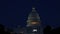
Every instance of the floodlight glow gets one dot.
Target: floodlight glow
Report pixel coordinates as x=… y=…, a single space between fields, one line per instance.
x=34 y=30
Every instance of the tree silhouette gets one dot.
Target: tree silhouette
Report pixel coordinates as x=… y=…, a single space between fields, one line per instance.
x=2 y=29
x=47 y=30
x=56 y=31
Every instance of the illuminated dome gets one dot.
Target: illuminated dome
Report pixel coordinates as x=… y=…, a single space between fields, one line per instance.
x=33 y=16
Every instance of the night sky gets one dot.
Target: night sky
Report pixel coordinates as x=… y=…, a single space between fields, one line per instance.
x=16 y=12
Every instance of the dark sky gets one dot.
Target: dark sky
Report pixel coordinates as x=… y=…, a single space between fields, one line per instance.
x=16 y=12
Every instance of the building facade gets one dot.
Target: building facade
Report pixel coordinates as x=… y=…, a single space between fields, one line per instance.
x=33 y=23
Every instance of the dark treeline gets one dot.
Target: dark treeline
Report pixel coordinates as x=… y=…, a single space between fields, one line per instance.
x=2 y=30
x=47 y=30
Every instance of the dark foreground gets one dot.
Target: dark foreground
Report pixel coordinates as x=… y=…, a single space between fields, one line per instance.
x=46 y=30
